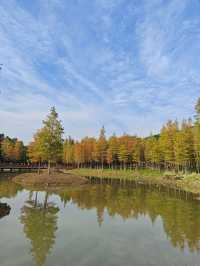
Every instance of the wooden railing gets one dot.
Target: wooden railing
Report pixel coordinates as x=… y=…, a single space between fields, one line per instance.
x=21 y=166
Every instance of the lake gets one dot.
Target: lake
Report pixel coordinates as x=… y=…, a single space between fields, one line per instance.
x=97 y=225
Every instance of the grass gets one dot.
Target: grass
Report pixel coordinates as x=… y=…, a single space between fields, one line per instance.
x=119 y=174
x=190 y=182
x=187 y=182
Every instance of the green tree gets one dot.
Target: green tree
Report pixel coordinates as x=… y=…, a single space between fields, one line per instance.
x=50 y=139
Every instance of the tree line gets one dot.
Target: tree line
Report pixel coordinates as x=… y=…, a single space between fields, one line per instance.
x=12 y=150
x=176 y=147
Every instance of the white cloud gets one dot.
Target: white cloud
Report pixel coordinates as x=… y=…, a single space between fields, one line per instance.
x=91 y=68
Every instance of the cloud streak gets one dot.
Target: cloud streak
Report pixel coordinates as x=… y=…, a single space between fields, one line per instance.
x=129 y=65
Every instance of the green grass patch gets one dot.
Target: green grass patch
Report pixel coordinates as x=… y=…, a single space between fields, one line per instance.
x=127 y=174
x=187 y=182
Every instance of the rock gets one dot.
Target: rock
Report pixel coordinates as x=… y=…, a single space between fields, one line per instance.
x=4 y=210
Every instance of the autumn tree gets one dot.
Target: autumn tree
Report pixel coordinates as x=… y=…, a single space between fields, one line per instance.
x=137 y=155
x=13 y=150
x=123 y=155
x=68 y=151
x=197 y=135
x=153 y=153
x=167 y=141
x=7 y=148
x=50 y=139
x=113 y=150
x=184 y=146
x=78 y=154
x=35 y=149
x=101 y=148
x=88 y=148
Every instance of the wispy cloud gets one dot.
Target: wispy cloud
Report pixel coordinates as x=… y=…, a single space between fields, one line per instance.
x=129 y=65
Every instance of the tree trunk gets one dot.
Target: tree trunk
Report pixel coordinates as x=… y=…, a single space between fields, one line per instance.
x=49 y=167
x=35 y=202
x=39 y=168
x=45 y=200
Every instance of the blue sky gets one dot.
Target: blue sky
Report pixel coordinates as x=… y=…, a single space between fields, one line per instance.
x=127 y=64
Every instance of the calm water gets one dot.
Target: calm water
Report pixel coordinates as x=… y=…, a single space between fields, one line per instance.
x=98 y=225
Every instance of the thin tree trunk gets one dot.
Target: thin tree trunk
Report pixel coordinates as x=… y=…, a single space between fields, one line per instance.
x=35 y=202
x=45 y=200
x=49 y=167
x=39 y=168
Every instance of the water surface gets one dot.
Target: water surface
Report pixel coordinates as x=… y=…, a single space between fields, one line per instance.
x=98 y=225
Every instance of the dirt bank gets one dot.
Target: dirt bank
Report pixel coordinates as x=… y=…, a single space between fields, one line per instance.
x=54 y=180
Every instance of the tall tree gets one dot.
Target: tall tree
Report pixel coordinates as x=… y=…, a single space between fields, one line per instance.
x=50 y=138
x=7 y=148
x=123 y=155
x=68 y=151
x=78 y=154
x=167 y=141
x=113 y=150
x=88 y=147
x=153 y=153
x=101 y=147
x=35 y=149
x=197 y=135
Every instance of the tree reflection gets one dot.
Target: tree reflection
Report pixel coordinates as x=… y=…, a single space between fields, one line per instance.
x=40 y=224
x=9 y=189
x=181 y=218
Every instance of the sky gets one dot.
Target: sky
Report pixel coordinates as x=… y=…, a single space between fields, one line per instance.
x=129 y=65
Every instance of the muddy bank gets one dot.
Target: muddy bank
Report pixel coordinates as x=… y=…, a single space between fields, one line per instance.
x=53 y=180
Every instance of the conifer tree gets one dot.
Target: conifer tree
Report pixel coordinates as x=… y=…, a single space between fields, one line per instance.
x=50 y=138
x=197 y=135
x=137 y=152
x=101 y=148
x=88 y=146
x=78 y=154
x=167 y=141
x=35 y=149
x=7 y=148
x=123 y=155
x=153 y=153
x=68 y=151
x=113 y=150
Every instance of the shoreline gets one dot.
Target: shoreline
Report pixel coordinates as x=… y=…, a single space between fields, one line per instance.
x=189 y=183
x=49 y=181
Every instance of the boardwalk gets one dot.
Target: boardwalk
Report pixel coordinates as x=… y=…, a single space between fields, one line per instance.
x=29 y=167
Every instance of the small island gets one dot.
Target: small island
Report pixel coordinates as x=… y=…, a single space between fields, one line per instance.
x=49 y=181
